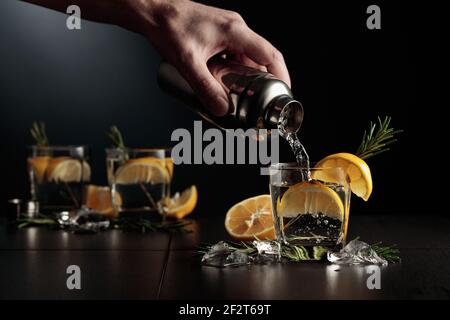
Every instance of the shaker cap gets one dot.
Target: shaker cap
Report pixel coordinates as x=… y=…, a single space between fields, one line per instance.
x=286 y=114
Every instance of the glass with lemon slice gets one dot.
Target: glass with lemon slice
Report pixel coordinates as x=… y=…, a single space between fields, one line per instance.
x=57 y=176
x=139 y=178
x=309 y=211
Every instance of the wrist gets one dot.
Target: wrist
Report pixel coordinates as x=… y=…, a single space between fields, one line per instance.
x=144 y=16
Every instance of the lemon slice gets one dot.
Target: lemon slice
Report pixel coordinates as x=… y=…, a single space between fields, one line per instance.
x=39 y=166
x=311 y=198
x=135 y=172
x=251 y=218
x=166 y=163
x=182 y=205
x=66 y=169
x=357 y=170
x=98 y=198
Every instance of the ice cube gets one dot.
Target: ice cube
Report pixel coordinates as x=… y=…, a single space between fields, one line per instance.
x=356 y=252
x=88 y=221
x=220 y=248
x=216 y=255
x=83 y=221
x=237 y=258
x=268 y=251
x=220 y=255
x=63 y=218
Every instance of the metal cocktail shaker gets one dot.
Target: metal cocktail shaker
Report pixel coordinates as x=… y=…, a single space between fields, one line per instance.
x=256 y=99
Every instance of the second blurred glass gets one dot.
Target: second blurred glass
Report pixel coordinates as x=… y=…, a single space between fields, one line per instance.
x=139 y=178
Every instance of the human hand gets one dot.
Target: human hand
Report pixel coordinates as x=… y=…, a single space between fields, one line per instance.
x=188 y=34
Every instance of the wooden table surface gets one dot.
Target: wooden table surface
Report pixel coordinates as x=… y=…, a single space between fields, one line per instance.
x=122 y=265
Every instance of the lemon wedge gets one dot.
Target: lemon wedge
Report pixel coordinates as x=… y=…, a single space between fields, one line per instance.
x=182 y=205
x=357 y=171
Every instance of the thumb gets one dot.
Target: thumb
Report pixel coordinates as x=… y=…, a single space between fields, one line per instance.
x=206 y=87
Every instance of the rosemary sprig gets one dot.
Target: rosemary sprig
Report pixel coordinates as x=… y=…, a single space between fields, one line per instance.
x=116 y=138
x=377 y=138
x=139 y=225
x=38 y=133
x=144 y=226
x=243 y=246
x=40 y=220
x=290 y=252
x=390 y=253
x=298 y=253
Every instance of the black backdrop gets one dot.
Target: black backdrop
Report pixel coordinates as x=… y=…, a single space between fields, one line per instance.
x=81 y=82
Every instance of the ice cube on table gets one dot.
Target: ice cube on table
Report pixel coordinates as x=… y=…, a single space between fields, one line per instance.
x=237 y=258
x=220 y=255
x=218 y=249
x=356 y=252
x=83 y=220
x=216 y=255
x=268 y=251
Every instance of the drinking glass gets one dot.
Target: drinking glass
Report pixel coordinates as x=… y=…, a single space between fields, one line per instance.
x=139 y=178
x=57 y=175
x=309 y=206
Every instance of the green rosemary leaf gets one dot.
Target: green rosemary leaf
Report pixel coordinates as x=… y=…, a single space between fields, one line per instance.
x=38 y=134
x=116 y=137
x=390 y=253
x=376 y=138
x=319 y=252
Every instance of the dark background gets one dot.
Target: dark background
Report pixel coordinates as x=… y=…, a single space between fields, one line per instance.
x=81 y=82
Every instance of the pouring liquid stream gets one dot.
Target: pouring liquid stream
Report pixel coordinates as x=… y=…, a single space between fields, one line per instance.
x=301 y=156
